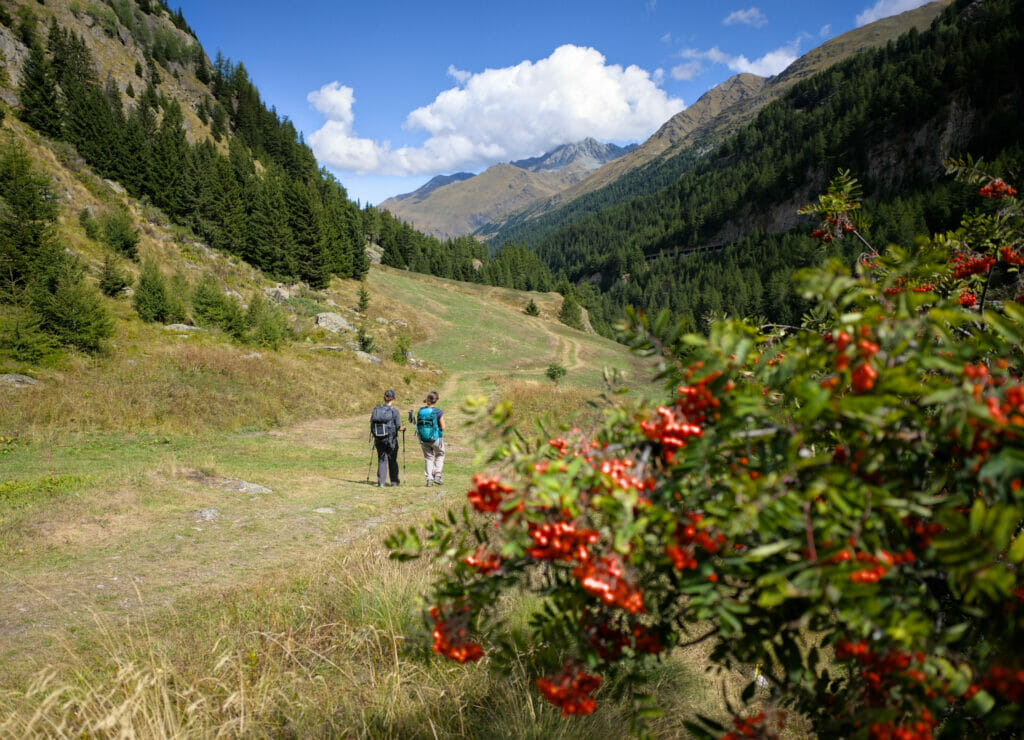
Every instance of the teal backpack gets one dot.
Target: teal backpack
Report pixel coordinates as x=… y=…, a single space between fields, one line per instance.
x=426 y=424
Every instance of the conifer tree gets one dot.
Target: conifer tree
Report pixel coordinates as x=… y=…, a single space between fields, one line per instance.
x=71 y=310
x=570 y=313
x=38 y=94
x=112 y=281
x=150 y=299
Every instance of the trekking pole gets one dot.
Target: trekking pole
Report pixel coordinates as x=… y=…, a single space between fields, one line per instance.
x=403 y=453
x=369 y=464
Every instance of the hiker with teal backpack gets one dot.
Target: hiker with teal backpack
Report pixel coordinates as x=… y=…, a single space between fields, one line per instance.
x=430 y=430
x=385 y=424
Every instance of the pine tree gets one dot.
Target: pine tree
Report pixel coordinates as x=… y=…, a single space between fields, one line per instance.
x=120 y=234
x=71 y=310
x=40 y=107
x=112 y=280
x=150 y=299
x=570 y=313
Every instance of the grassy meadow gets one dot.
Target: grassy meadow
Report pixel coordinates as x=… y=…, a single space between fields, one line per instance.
x=146 y=590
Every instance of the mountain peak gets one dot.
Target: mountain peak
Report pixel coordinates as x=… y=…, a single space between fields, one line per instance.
x=587 y=154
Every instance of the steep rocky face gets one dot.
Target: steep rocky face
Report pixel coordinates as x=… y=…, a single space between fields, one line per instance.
x=454 y=205
x=588 y=154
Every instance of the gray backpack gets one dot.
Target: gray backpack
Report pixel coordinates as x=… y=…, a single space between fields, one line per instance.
x=382 y=423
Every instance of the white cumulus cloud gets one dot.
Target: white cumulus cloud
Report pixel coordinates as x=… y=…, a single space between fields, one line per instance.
x=335 y=141
x=502 y=114
x=749 y=17
x=885 y=8
x=765 y=66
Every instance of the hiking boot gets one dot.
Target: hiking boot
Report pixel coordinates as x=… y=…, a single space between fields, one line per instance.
x=437 y=482
x=430 y=483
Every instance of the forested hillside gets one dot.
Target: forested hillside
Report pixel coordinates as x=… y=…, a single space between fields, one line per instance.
x=706 y=233
x=125 y=90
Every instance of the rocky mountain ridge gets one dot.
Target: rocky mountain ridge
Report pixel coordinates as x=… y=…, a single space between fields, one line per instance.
x=454 y=205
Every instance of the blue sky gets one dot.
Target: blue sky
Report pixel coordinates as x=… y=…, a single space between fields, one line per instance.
x=391 y=93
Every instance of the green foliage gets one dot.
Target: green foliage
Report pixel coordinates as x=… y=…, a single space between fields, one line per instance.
x=120 y=234
x=364 y=297
x=267 y=323
x=112 y=281
x=70 y=309
x=23 y=338
x=104 y=16
x=26 y=30
x=570 y=313
x=365 y=340
x=40 y=107
x=150 y=299
x=89 y=224
x=40 y=280
x=400 y=354
x=555 y=372
x=213 y=308
x=839 y=504
x=531 y=309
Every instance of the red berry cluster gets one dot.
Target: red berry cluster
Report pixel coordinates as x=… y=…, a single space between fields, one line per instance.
x=1011 y=409
x=1011 y=256
x=483 y=561
x=873 y=567
x=864 y=374
x=965 y=265
x=619 y=471
x=560 y=541
x=487 y=493
x=833 y=227
x=450 y=636
x=997 y=189
x=603 y=579
x=688 y=538
x=609 y=640
x=967 y=299
x=902 y=284
x=920 y=730
x=571 y=690
x=922 y=532
x=676 y=424
x=881 y=671
x=755 y=726
x=1006 y=682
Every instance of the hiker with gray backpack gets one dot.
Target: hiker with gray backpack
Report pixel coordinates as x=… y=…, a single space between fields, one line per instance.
x=385 y=424
x=430 y=431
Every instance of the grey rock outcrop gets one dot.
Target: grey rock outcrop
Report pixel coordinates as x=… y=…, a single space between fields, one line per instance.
x=333 y=322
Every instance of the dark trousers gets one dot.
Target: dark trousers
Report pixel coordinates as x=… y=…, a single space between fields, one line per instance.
x=387 y=461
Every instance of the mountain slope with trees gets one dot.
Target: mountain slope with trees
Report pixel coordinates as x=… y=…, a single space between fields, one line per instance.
x=719 y=233
x=720 y=112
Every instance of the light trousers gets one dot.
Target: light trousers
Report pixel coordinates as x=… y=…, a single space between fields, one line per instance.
x=433 y=459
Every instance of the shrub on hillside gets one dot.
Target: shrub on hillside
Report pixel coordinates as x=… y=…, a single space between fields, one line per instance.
x=120 y=234
x=570 y=313
x=69 y=308
x=212 y=308
x=22 y=337
x=555 y=372
x=838 y=504
x=89 y=224
x=150 y=299
x=111 y=280
x=401 y=352
x=266 y=322
x=531 y=309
